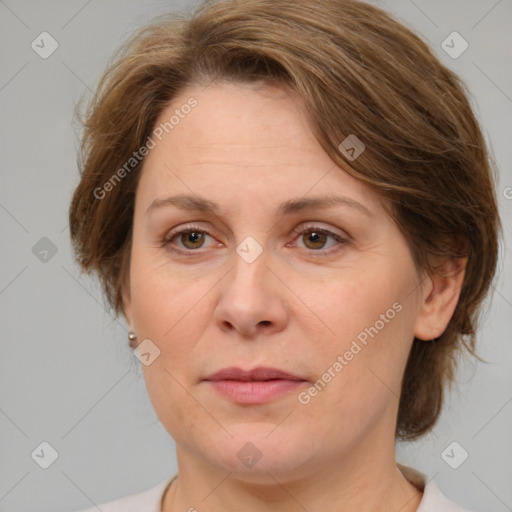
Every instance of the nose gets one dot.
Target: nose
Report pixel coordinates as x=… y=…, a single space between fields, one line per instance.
x=252 y=300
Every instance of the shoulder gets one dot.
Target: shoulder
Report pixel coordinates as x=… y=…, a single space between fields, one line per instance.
x=433 y=499
x=145 y=501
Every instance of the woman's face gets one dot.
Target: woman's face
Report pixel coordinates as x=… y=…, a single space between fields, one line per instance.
x=255 y=268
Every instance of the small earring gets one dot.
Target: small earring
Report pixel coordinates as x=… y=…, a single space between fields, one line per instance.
x=132 y=338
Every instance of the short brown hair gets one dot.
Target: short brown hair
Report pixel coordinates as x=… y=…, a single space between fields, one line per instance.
x=359 y=72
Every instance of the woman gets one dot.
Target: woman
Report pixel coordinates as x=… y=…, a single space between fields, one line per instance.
x=292 y=205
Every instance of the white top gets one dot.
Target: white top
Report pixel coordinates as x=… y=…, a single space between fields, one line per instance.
x=150 y=500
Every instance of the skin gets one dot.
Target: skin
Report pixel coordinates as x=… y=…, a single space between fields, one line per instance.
x=297 y=307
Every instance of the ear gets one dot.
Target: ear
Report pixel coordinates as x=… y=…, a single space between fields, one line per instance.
x=127 y=305
x=439 y=298
x=124 y=285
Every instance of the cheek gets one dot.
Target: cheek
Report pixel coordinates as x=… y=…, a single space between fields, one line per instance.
x=357 y=301
x=371 y=317
x=162 y=299
x=173 y=310
x=168 y=310
x=360 y=369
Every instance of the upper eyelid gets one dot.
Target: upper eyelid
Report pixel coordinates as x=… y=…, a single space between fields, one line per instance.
x=313 y=225
x=301 y=228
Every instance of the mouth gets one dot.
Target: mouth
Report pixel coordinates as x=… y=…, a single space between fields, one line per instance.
x=256 y=386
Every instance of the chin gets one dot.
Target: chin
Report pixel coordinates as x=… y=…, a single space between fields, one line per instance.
x=258 y=449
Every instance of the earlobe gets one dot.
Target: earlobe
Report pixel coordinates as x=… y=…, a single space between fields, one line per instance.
x=440 y=299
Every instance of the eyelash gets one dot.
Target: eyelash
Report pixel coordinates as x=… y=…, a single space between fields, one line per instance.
x=297 y=231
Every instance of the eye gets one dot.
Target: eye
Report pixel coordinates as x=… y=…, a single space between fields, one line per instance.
x=315 y=238
x=191 y=238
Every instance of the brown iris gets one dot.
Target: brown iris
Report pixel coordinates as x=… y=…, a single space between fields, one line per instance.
x=315 y=237
x=192 y=237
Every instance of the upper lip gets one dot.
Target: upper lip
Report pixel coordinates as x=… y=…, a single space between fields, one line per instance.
x=260 y=373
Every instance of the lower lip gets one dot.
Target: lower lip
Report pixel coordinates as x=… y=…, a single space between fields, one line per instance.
x=255 y=392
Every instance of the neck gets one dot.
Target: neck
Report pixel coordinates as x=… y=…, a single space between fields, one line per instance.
x=362 y=483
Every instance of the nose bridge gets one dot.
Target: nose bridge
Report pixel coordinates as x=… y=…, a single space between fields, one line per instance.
x=248 y=298
x=250 y=261
x=250 y=250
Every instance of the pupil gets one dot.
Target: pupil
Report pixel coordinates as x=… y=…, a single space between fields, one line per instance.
x=192 y=237
x=314 y=238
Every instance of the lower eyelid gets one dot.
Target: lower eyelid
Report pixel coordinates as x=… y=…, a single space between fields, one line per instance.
x=168 y=240
x=340 y=242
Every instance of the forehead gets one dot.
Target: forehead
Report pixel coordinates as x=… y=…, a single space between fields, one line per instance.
x=238 y=120
x=241 y=139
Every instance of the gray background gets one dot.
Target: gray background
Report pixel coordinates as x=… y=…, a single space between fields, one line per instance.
x=67 y=376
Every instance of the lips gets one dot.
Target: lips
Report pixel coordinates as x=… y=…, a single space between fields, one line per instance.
x=261 y=373
x=256 y=386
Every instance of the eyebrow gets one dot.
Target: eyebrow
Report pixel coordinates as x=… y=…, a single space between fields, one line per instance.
x=197 y=203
